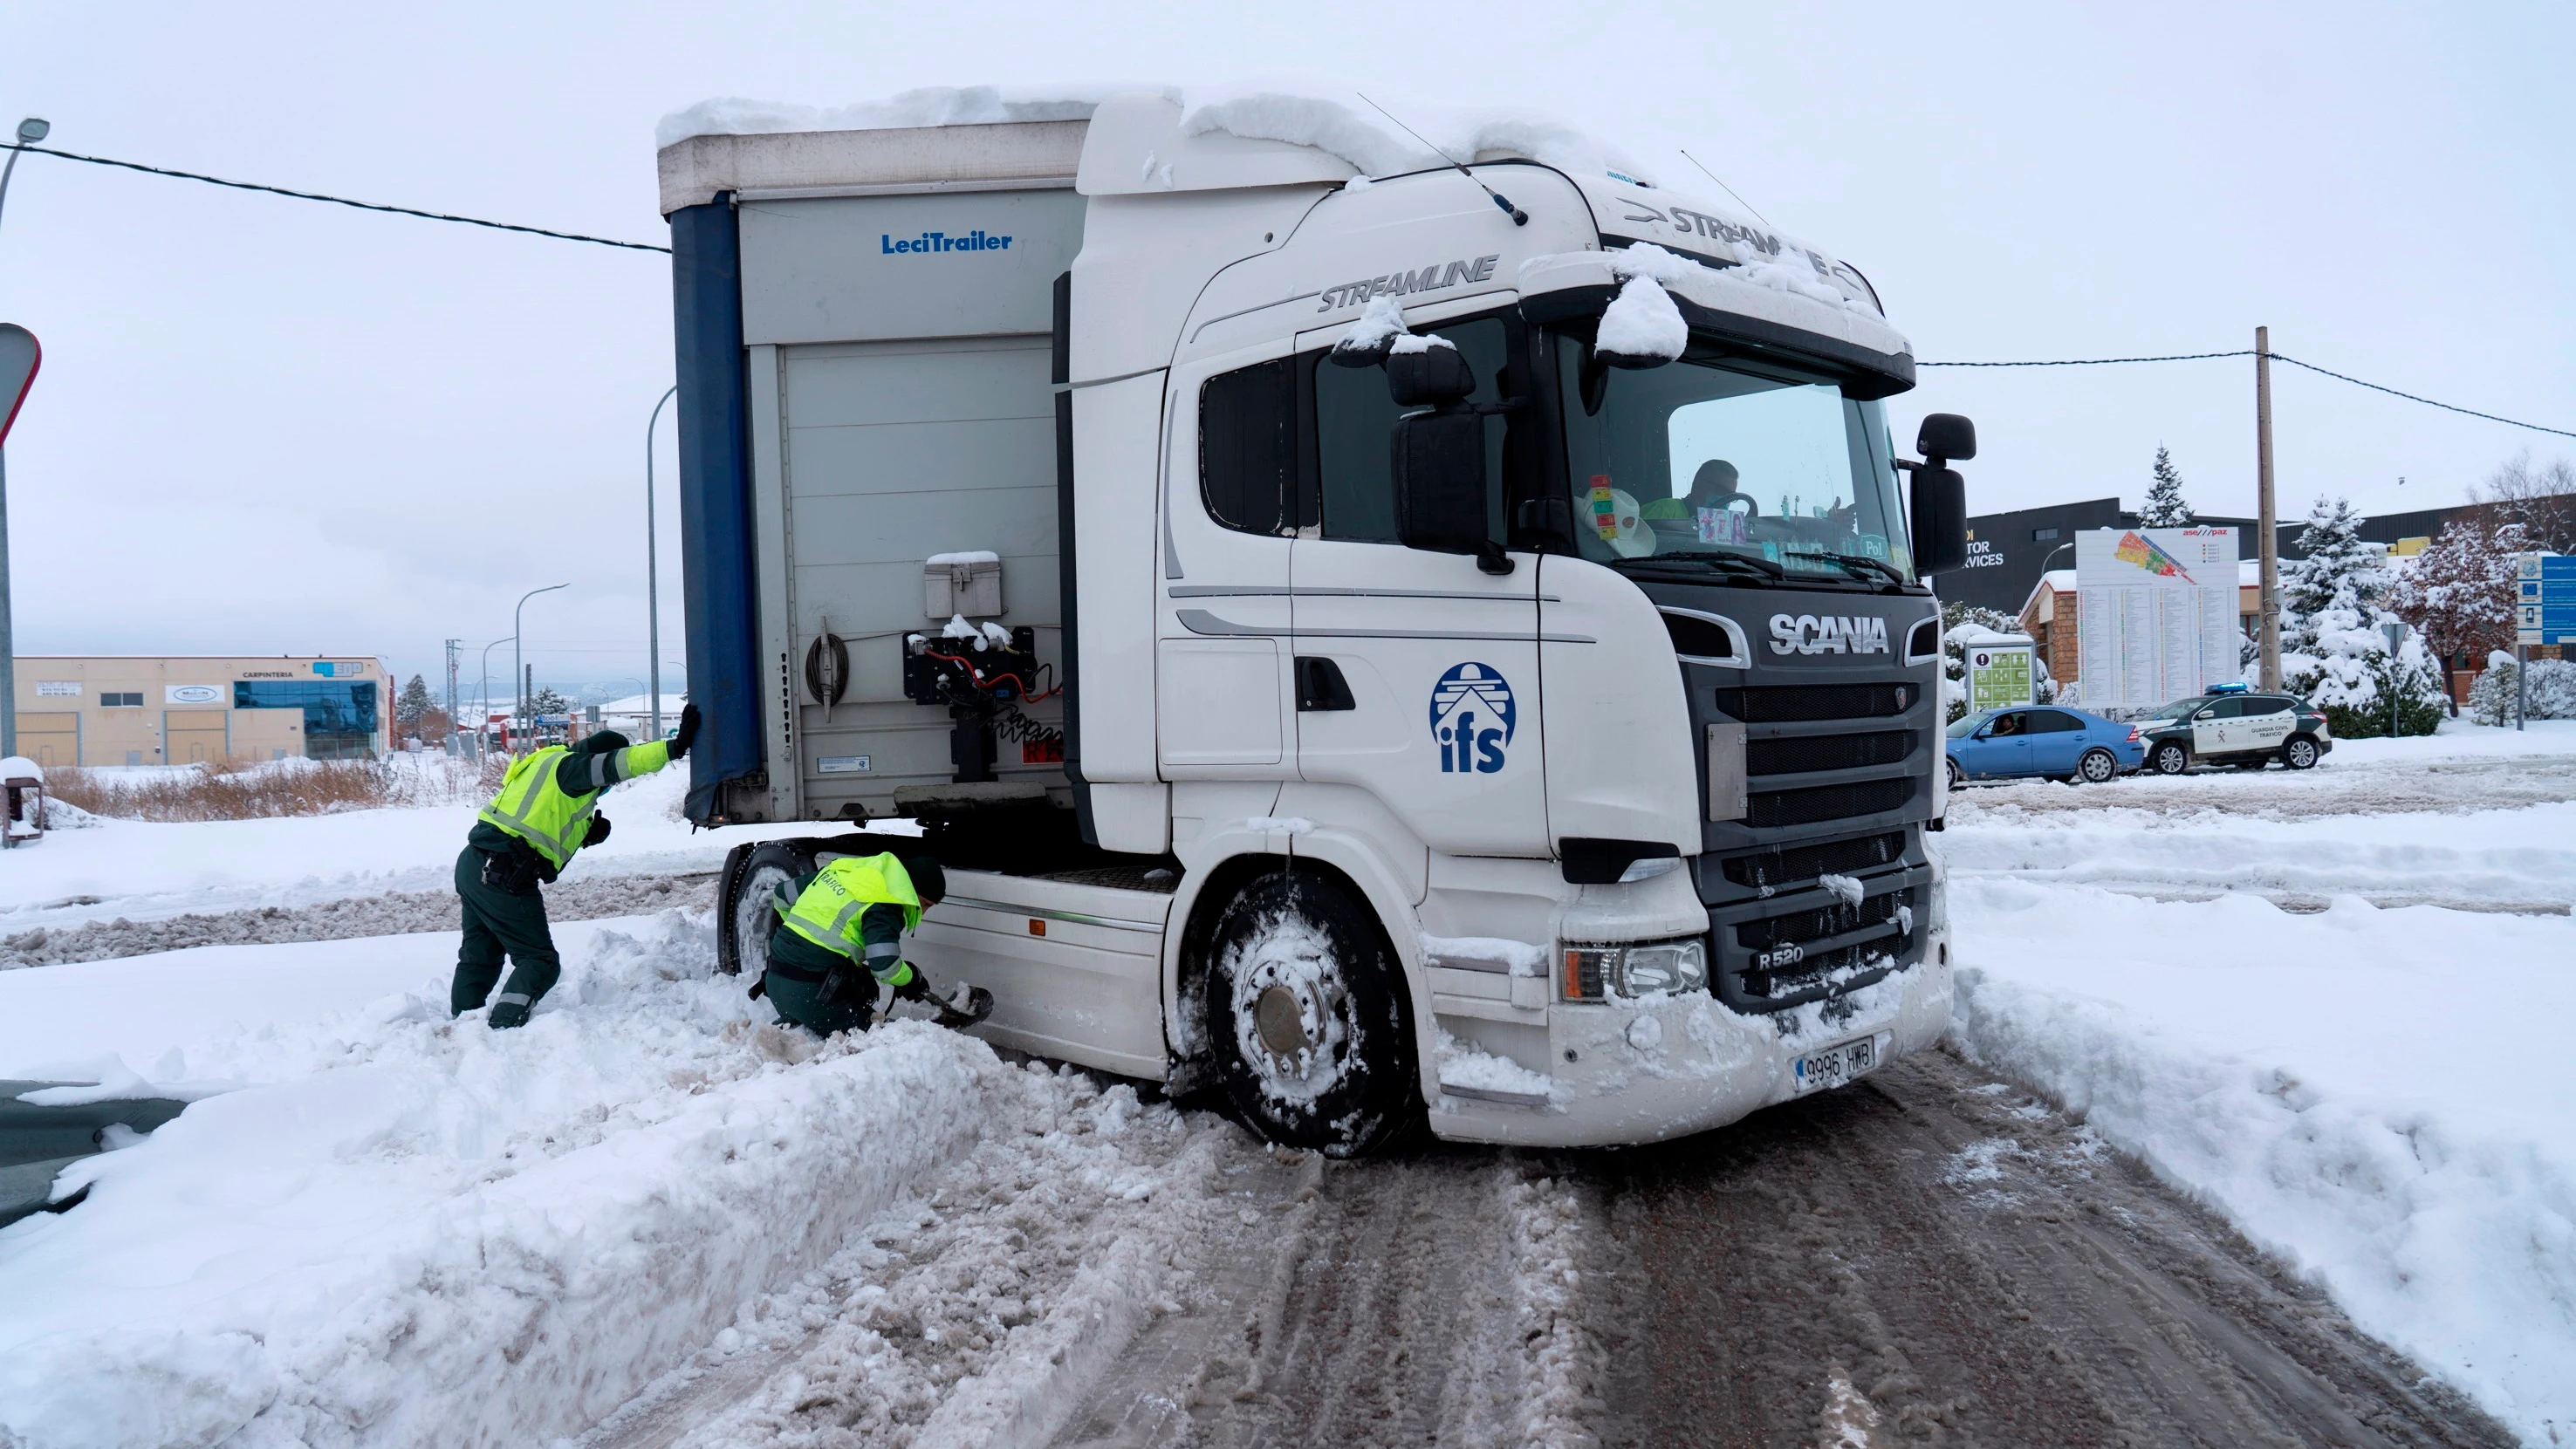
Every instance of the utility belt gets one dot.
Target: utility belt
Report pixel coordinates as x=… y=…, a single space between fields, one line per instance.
x=516 y=871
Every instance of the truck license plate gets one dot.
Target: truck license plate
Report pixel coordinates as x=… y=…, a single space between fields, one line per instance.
x=1836 y=1065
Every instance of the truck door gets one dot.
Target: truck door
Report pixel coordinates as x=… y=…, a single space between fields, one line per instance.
x=1417 y=672
x=1221 y=665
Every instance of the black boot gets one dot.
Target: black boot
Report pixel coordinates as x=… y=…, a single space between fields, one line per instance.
x=508 y=1013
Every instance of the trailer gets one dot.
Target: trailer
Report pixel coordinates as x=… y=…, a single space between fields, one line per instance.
x=1443 y=645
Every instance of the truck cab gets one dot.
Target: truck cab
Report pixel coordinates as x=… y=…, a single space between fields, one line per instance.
x=1451 y=644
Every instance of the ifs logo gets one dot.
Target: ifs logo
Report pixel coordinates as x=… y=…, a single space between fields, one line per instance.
x=1472 y=719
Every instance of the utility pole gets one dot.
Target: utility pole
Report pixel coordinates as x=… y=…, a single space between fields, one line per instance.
x=528 y=698
x=2270 y=522
x=455 y=648
x=518 y=651
x=652 y=572
x=30 y=131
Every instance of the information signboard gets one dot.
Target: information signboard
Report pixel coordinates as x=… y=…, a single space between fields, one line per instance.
x=2155 y=614
x=2544 y=598
x=1999 y=676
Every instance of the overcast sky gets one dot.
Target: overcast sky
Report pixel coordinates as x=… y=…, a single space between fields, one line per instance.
x=267 y=425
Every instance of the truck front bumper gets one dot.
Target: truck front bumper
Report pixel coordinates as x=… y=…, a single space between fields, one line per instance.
x=1643 y=1071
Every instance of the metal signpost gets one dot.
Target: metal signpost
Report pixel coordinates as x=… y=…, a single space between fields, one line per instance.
x=19 y=359
x=2394 y=631
x=2544 y=613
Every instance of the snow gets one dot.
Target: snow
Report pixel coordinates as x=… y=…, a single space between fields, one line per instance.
x=19 y=767
x=1337 y=122
x=1423 y=342
x=1379 y=324
x=142 y=870
x=1463 y=1064
x=1289 y=953
x=1844 y=888
x=2377 y=1093
x=963 y=556
x=1281 y=824
x=402 y=1230
x=1641 y=321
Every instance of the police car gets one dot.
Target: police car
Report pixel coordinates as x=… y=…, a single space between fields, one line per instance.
x=2233 y=725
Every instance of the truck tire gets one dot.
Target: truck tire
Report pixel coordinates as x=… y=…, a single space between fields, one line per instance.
x=2300 y=753
x=2098 y=767
x=1307 y=1017
x=743 y=914
x=2170 y=758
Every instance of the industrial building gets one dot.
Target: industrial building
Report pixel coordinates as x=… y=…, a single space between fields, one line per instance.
x=186 y=709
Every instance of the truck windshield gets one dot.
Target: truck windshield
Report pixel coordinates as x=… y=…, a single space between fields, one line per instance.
x=1718 y=458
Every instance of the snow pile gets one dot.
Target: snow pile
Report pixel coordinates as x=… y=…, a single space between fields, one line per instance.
x=1281 y=824
x=1845 y=888
x=1465 y=1065
x=962 y=556
x=979 y=1309
x=1493 y=953
x=1641 y=321
x=1560 y=1362
x=417 y=1231
x=1336 y=122
x=926 y=106
x=1343 y=124
x=1796 y=272
x=2381 y=1097
x=1410 y=343
x=19 y=767
x=1380 y=323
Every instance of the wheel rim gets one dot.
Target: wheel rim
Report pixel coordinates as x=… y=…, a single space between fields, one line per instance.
x=2169 y=759
x=2097 y=767
x=2302 y=753
x=1280 y=1024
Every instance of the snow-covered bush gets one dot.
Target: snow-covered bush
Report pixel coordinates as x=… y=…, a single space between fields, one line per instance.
x=2333 y=652
x=2553 y=690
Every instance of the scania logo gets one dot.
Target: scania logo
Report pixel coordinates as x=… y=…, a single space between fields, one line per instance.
x=1827 y=634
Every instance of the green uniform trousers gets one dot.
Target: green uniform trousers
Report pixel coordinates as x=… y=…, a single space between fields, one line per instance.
x=498 y=923
x=801 y=1003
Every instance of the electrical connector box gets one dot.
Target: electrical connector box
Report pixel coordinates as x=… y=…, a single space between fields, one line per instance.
x=968 y=584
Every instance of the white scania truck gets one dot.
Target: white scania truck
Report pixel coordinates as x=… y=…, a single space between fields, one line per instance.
x=1445 y=643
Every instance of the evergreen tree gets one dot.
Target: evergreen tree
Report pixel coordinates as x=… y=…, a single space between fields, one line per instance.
x=2339 y=571
x=412 y=703
x=549 y=701
x=2165 y=508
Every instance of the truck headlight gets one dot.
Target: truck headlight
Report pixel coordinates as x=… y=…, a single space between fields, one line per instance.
x=1592 y=972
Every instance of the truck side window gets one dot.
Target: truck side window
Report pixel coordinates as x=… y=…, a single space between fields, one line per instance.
x=1354 y=428
x=1248 y=446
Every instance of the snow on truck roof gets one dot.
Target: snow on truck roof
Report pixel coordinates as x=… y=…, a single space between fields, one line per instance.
x=1134 y=140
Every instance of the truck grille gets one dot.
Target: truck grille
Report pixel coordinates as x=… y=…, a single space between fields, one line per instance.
x=1798 y=864
x=1809 y=753
x=1795 y=703
x=1831 y=920
x=1826 y=802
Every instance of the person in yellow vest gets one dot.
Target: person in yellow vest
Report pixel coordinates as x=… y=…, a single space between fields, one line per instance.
x=546 y=812
x=851 y=914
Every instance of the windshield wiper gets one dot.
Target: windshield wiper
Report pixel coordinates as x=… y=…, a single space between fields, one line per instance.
x=1760 y=568
x=1855 y=562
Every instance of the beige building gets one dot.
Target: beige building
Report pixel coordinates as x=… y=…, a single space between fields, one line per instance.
x=144 y=710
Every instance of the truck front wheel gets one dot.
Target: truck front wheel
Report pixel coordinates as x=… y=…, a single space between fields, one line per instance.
x=743 y=913
x=1307 y=1020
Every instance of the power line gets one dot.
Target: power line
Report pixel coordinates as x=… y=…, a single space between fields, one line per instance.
x=345 y=201
x=2276 y=357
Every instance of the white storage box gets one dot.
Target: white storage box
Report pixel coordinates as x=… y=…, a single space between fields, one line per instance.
x=962 y=583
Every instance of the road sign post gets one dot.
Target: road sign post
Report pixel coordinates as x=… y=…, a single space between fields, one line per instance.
x=2544 y=613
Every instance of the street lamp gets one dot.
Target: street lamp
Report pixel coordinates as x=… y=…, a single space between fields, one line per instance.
x=30 y=131
x=652 y=569
x=484 y=703
x=518 y=655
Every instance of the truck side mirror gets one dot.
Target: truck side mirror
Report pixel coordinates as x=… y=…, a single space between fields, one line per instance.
x=1427 y=374
x=1946 y=438
x=1439 y=471
x=1940 y=519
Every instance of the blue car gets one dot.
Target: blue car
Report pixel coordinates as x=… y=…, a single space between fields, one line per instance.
x=2045 y=740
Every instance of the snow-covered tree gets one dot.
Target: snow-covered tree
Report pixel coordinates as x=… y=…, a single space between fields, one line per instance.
x=2339 y=571
x=2460 y=590
x=549 y=700
x=2539 y=496
x=2333 y=652
x=2165 y=508
x=412 y=703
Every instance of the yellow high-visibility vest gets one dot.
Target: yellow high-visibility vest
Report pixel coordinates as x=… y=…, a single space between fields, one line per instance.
x=828 y=911
x=534 y=806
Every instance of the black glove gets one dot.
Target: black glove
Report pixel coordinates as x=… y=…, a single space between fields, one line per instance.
x=688 y=731
x=916 y=989
x=598 y=830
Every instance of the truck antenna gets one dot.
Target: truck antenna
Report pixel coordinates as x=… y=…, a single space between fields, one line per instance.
x=1729 y=190
x=1518 y=216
